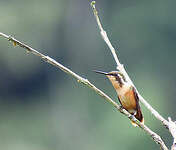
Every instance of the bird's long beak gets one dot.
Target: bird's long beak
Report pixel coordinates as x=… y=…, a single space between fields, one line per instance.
x=100 y=72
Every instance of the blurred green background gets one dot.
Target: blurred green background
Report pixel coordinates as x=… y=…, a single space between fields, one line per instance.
x=42 y=108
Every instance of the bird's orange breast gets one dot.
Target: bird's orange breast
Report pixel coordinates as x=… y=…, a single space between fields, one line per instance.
x=127 y=99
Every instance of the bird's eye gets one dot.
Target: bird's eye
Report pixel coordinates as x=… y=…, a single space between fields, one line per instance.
x=122 y=76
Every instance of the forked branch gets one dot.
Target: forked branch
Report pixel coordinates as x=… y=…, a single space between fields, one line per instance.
x=171 y=125
x=121 y=68
x=84 y=81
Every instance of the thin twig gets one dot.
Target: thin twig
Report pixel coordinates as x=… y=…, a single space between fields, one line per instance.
x=84 y=81
x=121 y=68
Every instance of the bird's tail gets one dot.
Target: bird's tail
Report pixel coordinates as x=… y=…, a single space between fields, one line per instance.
x=139 y=117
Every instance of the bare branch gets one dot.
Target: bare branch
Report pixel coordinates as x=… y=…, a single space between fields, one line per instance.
x=172 y=129
x=84 y=81
x=121 y=68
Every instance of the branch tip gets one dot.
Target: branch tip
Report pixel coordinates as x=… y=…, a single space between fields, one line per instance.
x=93 y=4
x=94 y=8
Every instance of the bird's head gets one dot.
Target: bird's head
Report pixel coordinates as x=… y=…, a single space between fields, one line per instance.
x=117 y=79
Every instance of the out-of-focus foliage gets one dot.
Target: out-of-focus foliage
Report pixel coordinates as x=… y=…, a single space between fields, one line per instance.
x=42 y=108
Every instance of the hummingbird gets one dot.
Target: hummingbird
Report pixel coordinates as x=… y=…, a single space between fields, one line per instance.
x=127 y=95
